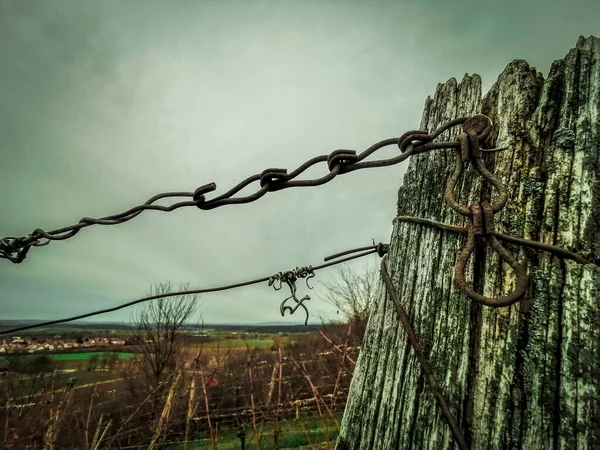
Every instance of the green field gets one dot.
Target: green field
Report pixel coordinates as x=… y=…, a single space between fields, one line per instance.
x=305 y=432
x=237 y=343
x=86 y=355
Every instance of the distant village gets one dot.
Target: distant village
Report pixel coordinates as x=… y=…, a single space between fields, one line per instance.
x=21 y=345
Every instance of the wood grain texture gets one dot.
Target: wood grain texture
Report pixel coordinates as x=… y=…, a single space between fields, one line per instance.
x=525 y=376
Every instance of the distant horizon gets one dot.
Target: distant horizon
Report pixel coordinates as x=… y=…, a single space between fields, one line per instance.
x=34 y=321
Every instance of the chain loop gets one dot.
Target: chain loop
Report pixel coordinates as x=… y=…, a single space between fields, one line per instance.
x=343 y=158
x=271 y=177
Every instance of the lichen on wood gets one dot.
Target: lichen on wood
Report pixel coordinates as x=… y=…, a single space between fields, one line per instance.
x=525 y=376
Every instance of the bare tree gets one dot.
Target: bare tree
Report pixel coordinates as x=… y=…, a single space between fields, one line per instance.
x=352 y=292
x=158 y=329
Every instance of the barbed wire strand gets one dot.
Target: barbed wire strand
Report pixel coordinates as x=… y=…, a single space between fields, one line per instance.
x=374 y=249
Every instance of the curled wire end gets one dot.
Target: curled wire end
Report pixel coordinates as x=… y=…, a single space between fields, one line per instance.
x=199 y=197
x=283 y=308
x=381 y=248
x=312 y=274
x=479 y=124
x=276 y=279
x=413 y=138
x=304 y=272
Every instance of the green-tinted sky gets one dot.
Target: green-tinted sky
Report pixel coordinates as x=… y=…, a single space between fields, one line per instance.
x=105 y=103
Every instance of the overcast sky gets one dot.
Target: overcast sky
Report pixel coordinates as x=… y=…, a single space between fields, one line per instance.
x=105 y=103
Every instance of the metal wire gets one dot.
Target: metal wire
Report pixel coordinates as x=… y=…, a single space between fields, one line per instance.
x=186 y=292
x=338 y=162
x=425 y=367
x=558 y=251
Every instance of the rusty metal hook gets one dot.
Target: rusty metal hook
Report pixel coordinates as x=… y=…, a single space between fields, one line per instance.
x=483 y=225
x=475 y=130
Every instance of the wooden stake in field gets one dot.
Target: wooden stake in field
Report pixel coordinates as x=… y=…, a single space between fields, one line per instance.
x=252 y=395
x=56 y=418
x=87 y=420
x=146 y=400
x=190 y=413
x=337 y=348
x=210 y=427
x=278 y=411
x=164 y=417
x=6 y=422
x=97 y=436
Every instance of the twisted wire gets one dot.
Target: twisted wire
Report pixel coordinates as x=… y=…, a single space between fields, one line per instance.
x=338 y=162
x=555 y=250
x=374 y=249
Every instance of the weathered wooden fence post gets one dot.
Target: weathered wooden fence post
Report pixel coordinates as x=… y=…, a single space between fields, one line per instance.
x=524 y=376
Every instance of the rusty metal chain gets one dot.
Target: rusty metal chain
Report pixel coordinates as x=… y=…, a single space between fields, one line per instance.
x=269 y=180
